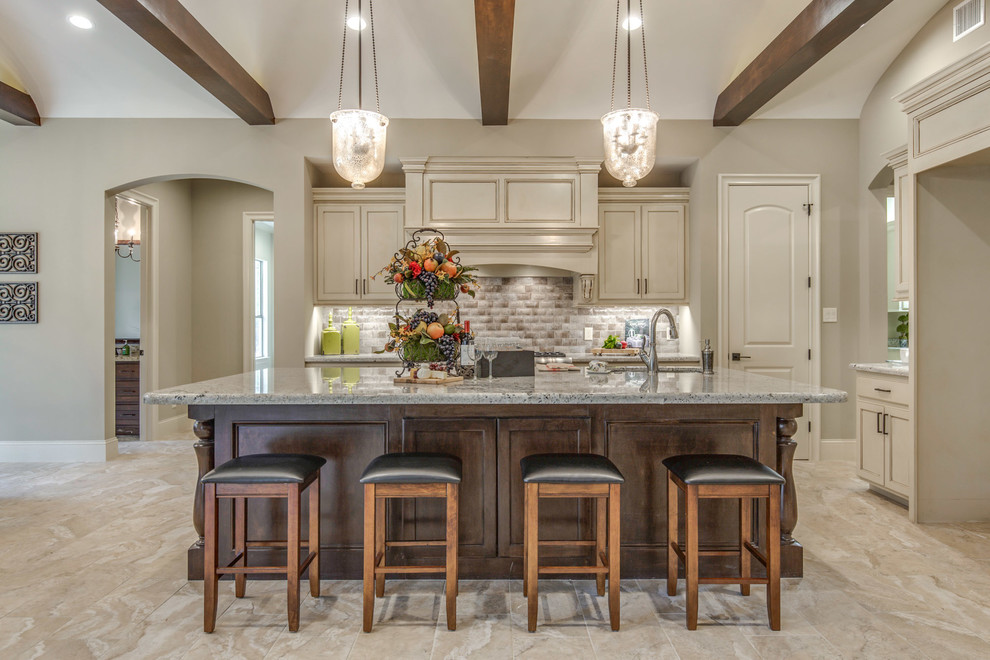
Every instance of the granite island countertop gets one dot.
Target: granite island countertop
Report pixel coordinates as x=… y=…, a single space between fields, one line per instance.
x=577 y=358
x=373 y=385
x=888 y=368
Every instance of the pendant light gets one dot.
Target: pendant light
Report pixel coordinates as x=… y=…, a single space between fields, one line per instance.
x=630 y=134
x=359 y=135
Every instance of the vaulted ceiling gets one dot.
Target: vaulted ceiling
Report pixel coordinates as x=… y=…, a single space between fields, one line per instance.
x=428 y=58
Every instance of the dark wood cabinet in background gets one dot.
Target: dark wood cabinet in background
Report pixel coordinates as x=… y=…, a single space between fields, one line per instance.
x=128 y=399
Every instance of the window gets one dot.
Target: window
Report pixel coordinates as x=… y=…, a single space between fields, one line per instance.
x=260 y=309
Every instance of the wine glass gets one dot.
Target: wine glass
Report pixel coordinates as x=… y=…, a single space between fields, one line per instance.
x=472 y=353
x=489 y=351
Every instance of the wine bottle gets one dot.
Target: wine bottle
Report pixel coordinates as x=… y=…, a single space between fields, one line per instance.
x=466 y=340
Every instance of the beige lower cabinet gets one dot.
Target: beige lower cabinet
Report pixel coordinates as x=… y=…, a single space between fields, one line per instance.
x=884 y=433
x=642 y=246
x=357 y=232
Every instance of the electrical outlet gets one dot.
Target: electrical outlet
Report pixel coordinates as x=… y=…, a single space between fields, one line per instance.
x=589 y=334
x=830 y=315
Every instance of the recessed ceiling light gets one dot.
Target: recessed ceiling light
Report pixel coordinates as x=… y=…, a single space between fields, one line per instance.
x=631 y=23
x=356 y=23
x=81 y=22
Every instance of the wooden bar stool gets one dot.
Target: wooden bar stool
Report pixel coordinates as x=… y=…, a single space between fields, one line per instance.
x=572 y=475
x=723 y=476
x=262 y=476
x=411 y=474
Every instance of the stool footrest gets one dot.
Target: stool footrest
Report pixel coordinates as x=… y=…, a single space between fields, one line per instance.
x=412 y=544
x=230 y=569
x=273 y=544
x=383 y=570
x=556 y=570
x=731 y=580
x=567 y=543
x=753 y=550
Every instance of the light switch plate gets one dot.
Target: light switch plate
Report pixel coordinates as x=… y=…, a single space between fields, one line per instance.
x=830 y=315
x=589 y=334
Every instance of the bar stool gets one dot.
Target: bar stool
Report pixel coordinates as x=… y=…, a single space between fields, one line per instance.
x=262 y=476
x=572 y=475
x=411 y=474
x=723 y=476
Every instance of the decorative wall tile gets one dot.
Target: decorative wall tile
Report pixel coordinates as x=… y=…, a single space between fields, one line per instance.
x=18 y=252
x=538 y=310
x=18 y=302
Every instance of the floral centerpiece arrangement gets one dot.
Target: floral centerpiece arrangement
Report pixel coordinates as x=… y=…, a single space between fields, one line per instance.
x=429 y=271
x=425 y=337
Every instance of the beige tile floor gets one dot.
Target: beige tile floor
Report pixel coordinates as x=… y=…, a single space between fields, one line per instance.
x=92 y=564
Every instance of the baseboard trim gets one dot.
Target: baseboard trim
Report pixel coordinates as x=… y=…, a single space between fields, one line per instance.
x=838 y=450
x=58 y=451
x=177 y=424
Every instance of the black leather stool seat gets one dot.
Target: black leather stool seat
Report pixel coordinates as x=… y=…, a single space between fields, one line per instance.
x=715 y=469
x=265 y=469
x=569 y=469
x=413 y=468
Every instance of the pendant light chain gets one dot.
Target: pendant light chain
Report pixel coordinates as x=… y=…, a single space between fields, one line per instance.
x=343 y=53
x=646 y=73
x=628 y=56
x=374 y=54
x=615 y=53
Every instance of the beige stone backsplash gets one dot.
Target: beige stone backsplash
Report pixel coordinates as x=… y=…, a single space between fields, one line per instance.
x=539 y=310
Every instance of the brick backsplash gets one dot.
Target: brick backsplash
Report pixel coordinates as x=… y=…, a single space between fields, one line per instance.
x=538 y=310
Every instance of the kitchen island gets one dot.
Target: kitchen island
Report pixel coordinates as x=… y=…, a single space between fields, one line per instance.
x=634 y=419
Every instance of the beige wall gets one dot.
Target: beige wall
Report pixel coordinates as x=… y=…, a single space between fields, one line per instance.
x=950 y=358
x=217 y=266
x=84 y=158
x=883 y=127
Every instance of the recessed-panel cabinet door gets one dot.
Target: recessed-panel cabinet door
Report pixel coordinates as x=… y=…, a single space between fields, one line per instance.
x=560 y=519
x=664 y=244
x=338 y=250
x=619 y=252
x=871 y=442
x=381 y=228
x=900 y=450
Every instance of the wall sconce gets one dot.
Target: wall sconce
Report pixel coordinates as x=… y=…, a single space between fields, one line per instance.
x=128 y=234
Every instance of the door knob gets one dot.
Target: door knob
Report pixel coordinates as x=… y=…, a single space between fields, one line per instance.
x=736 y=357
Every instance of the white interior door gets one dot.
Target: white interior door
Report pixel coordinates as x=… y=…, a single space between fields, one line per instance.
x=769 y=294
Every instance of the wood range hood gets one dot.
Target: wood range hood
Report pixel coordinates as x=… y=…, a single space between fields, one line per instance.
x=520 y=216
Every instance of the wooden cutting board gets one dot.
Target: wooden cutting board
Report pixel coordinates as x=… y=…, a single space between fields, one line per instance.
x=428 y=381
x=615 y=351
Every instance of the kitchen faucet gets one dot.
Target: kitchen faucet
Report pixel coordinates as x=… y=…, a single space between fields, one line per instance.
x=651 y=358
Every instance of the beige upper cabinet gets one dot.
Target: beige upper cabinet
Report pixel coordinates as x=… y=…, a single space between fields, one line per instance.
x=904 y=204
x=642 y=246
x=357 y=232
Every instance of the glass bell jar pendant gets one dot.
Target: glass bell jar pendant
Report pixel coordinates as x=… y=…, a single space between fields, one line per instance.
x=358 y=145
x=630 y=143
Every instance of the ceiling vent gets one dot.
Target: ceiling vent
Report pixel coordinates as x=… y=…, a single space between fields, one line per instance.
x=966 y=17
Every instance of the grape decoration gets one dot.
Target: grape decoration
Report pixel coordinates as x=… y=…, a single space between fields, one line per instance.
x=430 y=283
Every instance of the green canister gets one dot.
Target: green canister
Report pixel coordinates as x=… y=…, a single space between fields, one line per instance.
x=331 y=338
x=351 y=335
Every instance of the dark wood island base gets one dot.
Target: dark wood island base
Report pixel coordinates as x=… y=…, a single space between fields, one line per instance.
x=490 y=440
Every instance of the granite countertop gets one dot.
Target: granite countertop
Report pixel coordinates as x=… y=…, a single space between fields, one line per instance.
x=127 y=358
x=578 y=358
x=888 y=368
x=373 y=385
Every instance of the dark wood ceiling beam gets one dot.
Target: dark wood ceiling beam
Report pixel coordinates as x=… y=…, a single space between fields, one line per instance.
x=17 y=107
x=820 y=27
x=170 y=28
x=493 y=23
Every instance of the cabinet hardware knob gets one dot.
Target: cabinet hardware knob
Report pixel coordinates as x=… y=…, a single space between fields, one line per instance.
x=885 y=416
x=878 y=423
x=355 y=286
x=880 y=389
x=646 y=285
x=736 y=357
x=637 y=286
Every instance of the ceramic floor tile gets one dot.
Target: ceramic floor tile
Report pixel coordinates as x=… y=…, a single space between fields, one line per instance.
x=106 y=549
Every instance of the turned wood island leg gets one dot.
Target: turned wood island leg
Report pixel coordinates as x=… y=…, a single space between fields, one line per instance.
x=203 y=429
x=791 y=552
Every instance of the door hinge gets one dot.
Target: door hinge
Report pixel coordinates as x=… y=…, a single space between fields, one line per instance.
x=807 y=208
x=809 y=353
